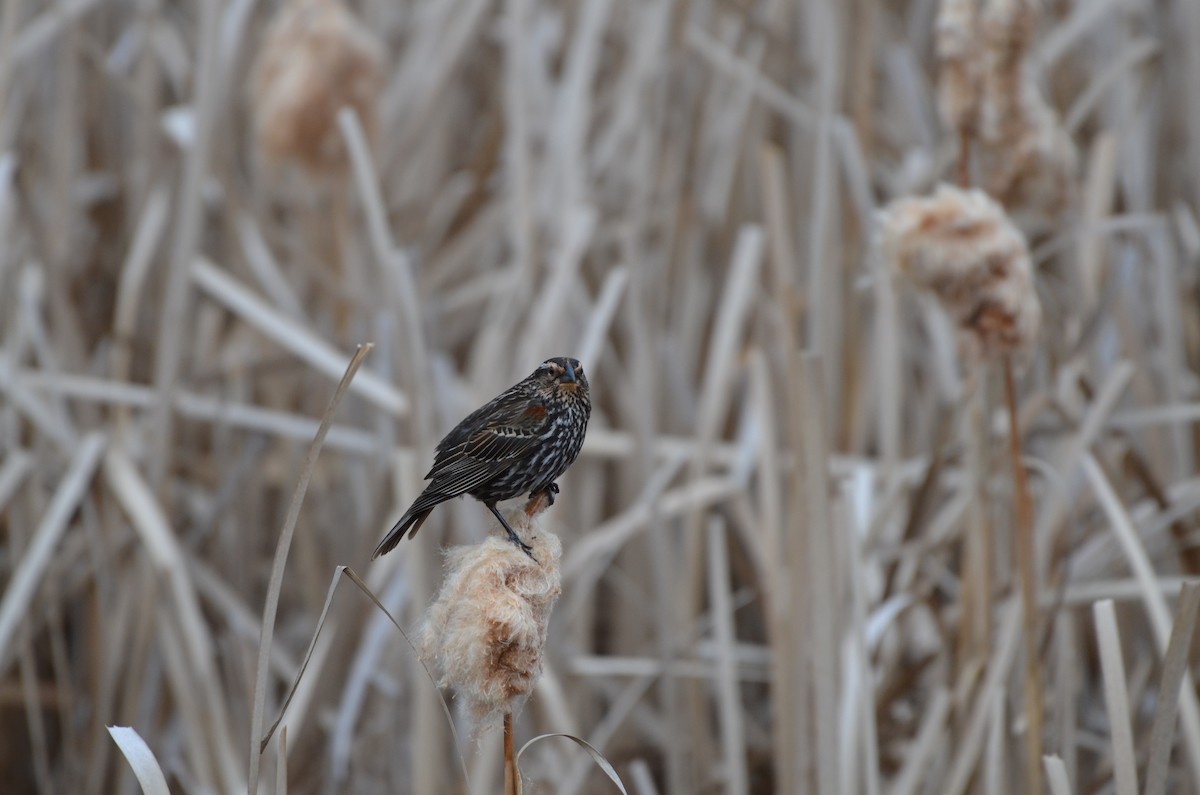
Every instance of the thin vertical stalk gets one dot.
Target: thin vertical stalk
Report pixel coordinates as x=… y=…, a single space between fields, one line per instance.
x=1023 y=539
x=512 y=778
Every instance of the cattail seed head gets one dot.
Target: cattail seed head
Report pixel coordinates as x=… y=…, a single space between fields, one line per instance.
x=316 y=58
x=988 y=91
x=960 y=246
x=485 y=634
x=1029 y=160
x=959 y=67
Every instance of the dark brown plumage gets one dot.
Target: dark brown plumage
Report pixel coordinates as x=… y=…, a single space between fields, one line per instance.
x=518 y=443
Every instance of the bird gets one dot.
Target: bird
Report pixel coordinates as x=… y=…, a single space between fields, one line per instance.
x=521 y=441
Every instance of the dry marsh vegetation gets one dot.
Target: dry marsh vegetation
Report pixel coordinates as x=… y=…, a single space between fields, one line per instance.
x=796 y=555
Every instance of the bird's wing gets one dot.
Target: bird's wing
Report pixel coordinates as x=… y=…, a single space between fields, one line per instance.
x=469 y=456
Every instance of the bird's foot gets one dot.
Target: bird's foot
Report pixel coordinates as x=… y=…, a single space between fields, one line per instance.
x=516 y=539
x=550 y=491
x=512 y=534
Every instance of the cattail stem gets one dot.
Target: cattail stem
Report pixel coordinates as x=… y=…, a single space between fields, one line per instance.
x=975 y=640
x=963 y=172
x=1023 y=536
x=512 y=779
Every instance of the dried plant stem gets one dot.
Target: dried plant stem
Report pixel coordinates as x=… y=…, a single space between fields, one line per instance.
x=975 y=641
x=1023 y=537
x=282 y=547
x=963 y=169
x=512 y=779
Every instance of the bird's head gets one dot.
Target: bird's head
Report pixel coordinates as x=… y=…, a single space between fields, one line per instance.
x=563 y=375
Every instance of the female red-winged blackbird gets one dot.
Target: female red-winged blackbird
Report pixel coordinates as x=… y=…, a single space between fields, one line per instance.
x=519 y=442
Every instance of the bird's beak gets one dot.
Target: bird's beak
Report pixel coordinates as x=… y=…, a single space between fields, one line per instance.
x=568 y=377
x=570 y=372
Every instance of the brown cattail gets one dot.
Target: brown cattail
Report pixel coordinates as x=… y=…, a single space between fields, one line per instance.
x=959 y=66
x=1028 y=158
x=986 y=90
x=960 y=246
x=485 y=634
x=316 y=59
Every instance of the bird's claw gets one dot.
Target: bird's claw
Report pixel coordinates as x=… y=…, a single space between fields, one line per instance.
x=516 y=539
x=550 y=492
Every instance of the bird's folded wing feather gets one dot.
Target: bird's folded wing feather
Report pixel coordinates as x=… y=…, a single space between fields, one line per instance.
x=466 y=462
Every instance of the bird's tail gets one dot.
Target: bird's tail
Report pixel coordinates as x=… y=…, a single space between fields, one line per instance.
x=414 y=517
x=411 y=518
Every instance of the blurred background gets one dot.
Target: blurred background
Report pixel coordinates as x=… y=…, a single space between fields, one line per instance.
x=788 y=544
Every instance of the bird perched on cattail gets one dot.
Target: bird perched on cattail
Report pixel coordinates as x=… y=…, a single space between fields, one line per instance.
x=520 y=442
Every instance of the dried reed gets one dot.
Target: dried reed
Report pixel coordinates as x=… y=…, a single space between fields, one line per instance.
x=764 y=538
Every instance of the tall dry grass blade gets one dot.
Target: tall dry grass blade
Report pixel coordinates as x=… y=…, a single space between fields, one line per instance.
x=331 y=591
x=39 y=414
x=141 y=759
x=193 y=666
x=729 y=701
x=275 y=585
x=203 y=408
x=312 y=645
x=765 y=89
x=516 y=16
x=27 y=574
x=995 y=764
x=362 y=586
x=134 y=271
x=35 y=720
x=602 y=316
x=544 y=337
x=820 y=565
x=1056 y=775
x=971 y=742
x=597 y=757
x=929 y=735
x=1152 y=598
x=1108 y=638
x=779 y=228
x=396 y=269
x=643 y=780
x=281 y=766
x=866 y=736
x=8 y=33
x=1067 y=683
x=361 y=677
x=266 y=270
x=293 y=337
x=736 y=302
x=1054 y=504
x=1175 y=666
x=176 y=305
x=1098 y=198
x=1027 y=568
x=16 y=467
x=978 y=550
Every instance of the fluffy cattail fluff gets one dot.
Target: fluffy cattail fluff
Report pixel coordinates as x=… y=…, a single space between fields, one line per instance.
x=485 y=634
x=1028 y=158
x=986 y=87
x=959 y=67
x=960 y=246
x=316 y=59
